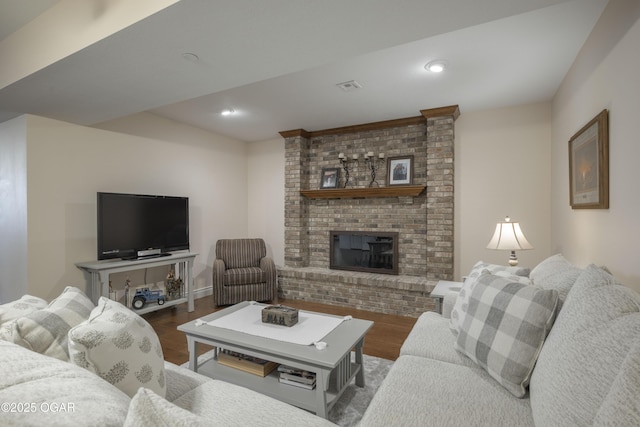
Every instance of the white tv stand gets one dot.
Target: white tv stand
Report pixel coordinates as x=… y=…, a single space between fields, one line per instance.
x=97 y=276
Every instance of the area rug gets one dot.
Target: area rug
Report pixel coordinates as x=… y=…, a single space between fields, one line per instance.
x=349 y=409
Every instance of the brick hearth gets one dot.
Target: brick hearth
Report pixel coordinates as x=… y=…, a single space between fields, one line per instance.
x=383 y=293
x=424 y=222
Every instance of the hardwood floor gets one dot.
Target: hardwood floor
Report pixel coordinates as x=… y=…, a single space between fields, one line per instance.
x=383 y=340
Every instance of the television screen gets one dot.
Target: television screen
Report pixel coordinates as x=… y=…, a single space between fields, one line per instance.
x=136 y=225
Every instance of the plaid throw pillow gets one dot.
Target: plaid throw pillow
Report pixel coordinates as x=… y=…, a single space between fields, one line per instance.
x=459 y=309
x=45 y=331
x=504 y=328
x=25 y=305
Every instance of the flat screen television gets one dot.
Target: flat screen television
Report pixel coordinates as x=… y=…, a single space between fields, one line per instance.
x=132 y=226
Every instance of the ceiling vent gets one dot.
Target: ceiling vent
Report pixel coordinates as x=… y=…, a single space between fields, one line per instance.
x=349 y=86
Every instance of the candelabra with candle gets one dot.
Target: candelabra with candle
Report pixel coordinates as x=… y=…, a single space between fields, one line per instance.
x=344 y=161
x=373 y=166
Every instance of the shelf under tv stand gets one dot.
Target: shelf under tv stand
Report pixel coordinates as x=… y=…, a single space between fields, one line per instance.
x=97 y=276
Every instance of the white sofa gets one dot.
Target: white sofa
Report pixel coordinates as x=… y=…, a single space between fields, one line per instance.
x=587 y=370
x=54 y=387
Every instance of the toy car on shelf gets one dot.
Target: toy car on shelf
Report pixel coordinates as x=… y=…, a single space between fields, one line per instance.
x=144 y=295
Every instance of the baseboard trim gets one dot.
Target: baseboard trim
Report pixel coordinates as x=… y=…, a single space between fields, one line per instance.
x=202 y=292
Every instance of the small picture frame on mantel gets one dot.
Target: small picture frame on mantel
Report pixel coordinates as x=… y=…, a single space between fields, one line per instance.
x=329 y=178
x=400 y=170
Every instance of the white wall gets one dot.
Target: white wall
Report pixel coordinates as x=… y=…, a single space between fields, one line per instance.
x=13 y=209
x=604 y=75
x=222 y=179
x=501 y=168
x=67 y=164
x=265 y=195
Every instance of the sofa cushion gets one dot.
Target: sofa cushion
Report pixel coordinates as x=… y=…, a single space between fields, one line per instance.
x=504 y=328
x=21 y=307
x=430 y=337
x=252 y=292
x=119 y=346
x=586 y=351
x=462 y=301
x=556 y=273
x=238 y=406
x=244 y=276
x=45 y=331
x=147 y=409
x=63 y=394
x=419 y=391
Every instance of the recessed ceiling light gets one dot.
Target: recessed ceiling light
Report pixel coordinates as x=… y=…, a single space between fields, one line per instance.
x=435 y=66
x=349 y=86
x=228 y=112
x=190 y=57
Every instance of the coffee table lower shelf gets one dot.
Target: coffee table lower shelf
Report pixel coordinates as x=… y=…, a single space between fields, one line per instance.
x=272 y=387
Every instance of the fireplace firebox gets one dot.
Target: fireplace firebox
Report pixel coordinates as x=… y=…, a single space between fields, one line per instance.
x=367 y=251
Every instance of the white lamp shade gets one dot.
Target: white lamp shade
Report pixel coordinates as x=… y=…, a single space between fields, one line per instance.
x=509 y=236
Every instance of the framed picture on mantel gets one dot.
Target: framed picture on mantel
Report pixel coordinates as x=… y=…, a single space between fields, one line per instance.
x=329 y=178
x=589 y=165
x=400 y=170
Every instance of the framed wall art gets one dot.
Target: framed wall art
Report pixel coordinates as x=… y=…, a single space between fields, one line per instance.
x=400 y=170
x=589 y=165
x=329 y=178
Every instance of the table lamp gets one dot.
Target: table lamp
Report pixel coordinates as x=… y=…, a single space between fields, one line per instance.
x=508 y=236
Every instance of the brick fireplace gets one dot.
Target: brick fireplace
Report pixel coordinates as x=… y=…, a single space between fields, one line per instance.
x=421 y=214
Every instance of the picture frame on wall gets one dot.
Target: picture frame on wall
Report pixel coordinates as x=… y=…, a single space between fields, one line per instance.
x=400 y=170
x=589 y=165
x=330 y=178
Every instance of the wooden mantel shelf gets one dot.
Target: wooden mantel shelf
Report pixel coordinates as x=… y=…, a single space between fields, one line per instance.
x=350 y=193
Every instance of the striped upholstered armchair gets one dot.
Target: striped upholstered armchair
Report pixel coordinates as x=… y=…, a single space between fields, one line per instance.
x=243 y=272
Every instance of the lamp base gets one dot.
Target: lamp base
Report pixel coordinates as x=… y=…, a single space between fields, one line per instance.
x=513 y=260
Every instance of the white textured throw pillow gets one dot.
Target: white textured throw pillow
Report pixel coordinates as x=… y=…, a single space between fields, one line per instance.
x=21 y=307
x=45 y=331
x=462 y=301
x=504 y=328
x=556 y=273
x=119 y=346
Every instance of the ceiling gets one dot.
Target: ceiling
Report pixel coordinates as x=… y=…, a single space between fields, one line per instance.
x=277 y=62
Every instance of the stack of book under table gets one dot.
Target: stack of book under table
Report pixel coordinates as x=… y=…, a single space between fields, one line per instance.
x=243 y=362
x=297 y=377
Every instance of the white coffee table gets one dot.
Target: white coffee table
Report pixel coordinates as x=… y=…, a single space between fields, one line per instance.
x=333 y=366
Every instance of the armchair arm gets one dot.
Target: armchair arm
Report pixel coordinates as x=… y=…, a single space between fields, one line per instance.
x=218 y=280
x=269 y=267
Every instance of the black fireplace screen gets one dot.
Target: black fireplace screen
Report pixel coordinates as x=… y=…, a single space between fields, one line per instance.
x=364 y=251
